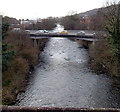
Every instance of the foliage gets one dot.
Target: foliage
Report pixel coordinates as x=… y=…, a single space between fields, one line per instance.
x=71 y=22
x=102 y=59
x=106 y=54
x=5 y=27
x=18 y=66
x=7 y=52
x=113 y=28
x=45 y=24
x=13 y=79
x=10 y=20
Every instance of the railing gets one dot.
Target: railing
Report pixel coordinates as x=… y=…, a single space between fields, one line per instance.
x=55 y=109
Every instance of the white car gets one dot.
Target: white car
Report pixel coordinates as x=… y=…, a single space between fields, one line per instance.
x=81 y=33
x=41 y=32
x=91 y=34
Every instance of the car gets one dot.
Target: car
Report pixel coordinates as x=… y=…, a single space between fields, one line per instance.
x=91 y=34
x=16 y=29
x=94 y=34
x=64 y=32
x=45 y=31
x=41 y=32
x=81 y=33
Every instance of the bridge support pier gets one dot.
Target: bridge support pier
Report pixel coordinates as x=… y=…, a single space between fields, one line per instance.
x=86 y=43
x=93 y=43
x=35 y=43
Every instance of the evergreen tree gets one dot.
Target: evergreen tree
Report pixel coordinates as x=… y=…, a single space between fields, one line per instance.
x=7 y=53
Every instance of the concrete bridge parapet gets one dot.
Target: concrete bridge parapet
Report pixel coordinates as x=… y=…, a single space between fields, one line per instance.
x=55 y=109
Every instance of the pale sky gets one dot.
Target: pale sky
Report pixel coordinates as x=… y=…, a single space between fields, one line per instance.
x=23 y=9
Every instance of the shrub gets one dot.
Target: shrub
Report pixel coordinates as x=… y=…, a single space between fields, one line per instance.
x=102 y=59
x=13 y=79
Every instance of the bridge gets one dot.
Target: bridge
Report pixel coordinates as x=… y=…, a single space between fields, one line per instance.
x=70 y=36
x=86 y=39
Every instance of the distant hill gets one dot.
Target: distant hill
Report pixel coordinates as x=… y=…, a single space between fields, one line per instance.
x=88 y=13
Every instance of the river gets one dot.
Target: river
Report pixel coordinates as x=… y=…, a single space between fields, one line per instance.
x=63 y=79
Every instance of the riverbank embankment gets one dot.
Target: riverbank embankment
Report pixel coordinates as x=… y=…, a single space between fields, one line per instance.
x=20 y=66
x=102 y=59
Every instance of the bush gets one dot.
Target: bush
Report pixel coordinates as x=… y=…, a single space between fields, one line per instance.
x=103 y=59
x=31 y=55
x=13 y=79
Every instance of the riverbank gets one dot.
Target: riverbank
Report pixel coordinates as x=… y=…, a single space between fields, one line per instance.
x=103 y=61
x=26 y=57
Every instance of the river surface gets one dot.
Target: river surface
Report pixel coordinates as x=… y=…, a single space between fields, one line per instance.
x=63 y=79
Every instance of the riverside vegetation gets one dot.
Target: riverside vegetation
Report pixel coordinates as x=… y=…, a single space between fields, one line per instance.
x=105 y=54
x=19 y=57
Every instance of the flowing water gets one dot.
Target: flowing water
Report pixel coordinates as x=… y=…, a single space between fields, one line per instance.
x=63 y=79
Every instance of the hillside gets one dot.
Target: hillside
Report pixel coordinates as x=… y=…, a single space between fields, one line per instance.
x=88 y=13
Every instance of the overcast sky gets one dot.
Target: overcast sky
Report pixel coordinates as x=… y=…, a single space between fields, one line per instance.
x=44 y=8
